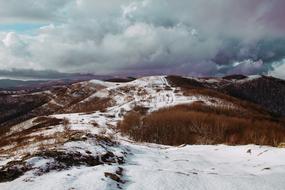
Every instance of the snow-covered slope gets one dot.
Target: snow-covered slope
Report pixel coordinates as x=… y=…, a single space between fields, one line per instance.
x=88 y=153
x=159 y=167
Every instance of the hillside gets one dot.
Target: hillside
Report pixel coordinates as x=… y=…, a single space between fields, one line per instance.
x=151 y=133
x=264 y=91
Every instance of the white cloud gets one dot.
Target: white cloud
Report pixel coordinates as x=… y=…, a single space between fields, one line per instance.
x=278 y=69
x=136 y=35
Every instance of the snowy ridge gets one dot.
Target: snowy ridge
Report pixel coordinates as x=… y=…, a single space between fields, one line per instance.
x=144 y=165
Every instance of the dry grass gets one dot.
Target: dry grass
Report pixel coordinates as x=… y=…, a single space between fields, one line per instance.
x=201 y=125
x=95 y=104
x=21 y=143
x=24 y=138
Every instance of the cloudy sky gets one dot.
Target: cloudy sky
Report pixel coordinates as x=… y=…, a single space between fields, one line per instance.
x=193 y=37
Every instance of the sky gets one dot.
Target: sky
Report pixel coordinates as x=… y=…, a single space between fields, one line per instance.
x=189 y=37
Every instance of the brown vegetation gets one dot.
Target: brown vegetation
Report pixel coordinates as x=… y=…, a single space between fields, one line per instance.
x=95 y=104
x=191 y=87
x=13 y=170
x=185 y=83
x=140 y=109
x=201 y=124
x=16 y=109
x=42 y=122
x=23 y=138
x=62 y=160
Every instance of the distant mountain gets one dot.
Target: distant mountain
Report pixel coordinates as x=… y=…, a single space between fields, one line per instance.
x=265 y=91
x=9 y=83
x=39 y=85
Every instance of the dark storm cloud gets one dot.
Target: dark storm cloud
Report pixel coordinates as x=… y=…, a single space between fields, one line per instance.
x=268 y=50
x=197 y=37
x=34 y=74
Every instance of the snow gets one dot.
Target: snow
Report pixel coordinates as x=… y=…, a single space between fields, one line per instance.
x=206 y=167
x=249 y=78
x=48 y=132
x=84 y=178
x=39 y=162
x=151 y=166
x=156 y=95
x=163 y=167
x=102 y=94
x=103 y=83
x=20 y=127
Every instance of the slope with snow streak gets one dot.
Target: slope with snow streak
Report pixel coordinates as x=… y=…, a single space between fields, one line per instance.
x=151 y=166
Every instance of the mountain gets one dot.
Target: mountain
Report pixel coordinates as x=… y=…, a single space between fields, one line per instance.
x=33 y=85
x=262 y=90
x=265 y=91
x=8 y=83
x=156 y=132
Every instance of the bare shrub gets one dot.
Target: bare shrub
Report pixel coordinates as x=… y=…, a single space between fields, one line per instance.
x=42 y=122
x=130 y=123
x=186 y=124
x=141 y=109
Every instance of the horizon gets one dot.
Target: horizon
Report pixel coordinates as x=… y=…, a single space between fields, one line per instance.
x=89 y=76
x=41 y=75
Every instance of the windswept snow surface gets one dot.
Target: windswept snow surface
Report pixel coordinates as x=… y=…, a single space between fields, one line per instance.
x=206 y=167
x=151 y=166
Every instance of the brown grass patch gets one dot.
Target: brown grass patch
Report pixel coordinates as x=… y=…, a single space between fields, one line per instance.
x=96 y=104
x=201 y=125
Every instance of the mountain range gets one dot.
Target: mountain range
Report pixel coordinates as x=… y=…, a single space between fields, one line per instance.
x=152 y=132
